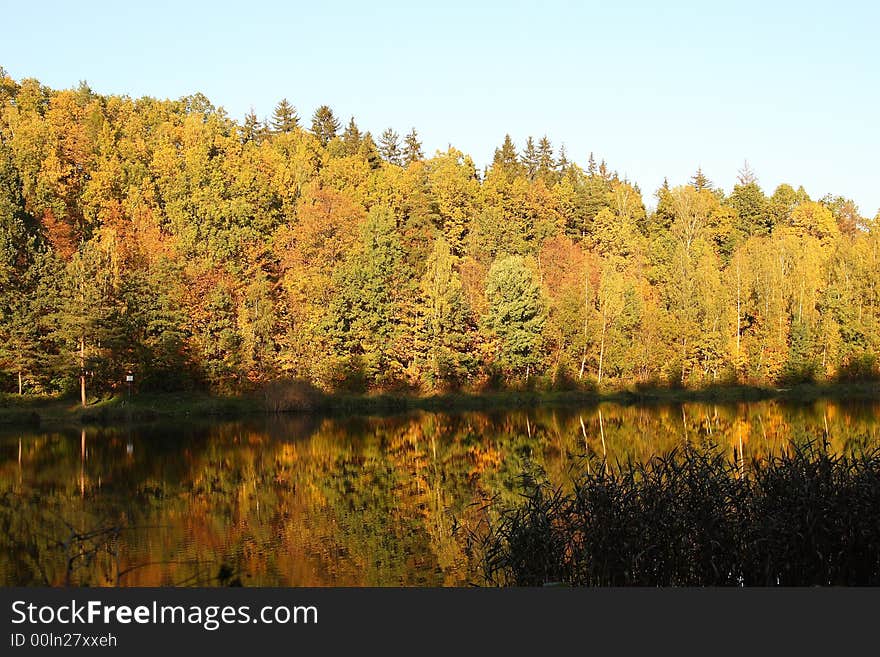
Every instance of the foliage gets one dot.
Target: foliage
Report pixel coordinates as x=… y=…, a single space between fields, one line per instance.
x=165 y=238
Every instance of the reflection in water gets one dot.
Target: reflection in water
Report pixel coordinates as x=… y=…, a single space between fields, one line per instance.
x=304 y=500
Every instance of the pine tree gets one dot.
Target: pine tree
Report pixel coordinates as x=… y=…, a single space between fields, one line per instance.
x=699 y=181
x=412 y=148
x=530 y=159
x=389 y=147
x=369 y=151
x=324 y=125
x=563 y=164
x=351 y=138
x=285 y=117
x=252 y=128
x=87 y=320
x=506 y=161
x=745 y=176
x=591 y=165
x=19 y=303
x=546 y=163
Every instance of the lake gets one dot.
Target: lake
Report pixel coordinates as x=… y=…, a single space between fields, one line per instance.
x=302 y=500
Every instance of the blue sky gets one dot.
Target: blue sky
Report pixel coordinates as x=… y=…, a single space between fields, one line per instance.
x=656 y=89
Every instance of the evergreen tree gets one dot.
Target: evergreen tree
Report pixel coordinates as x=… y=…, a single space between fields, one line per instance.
x=752 y=210
x=252 y=128
x=506 y=161
x=546 y=163
x=516 y=314
x=363 y=318
x=369 y=151
x=324 y=125
x=442 y=338
x=412 y=148
x=699 y=181
x=389 y=147
x=87 y=325
x=155 y=337
x=563 y=164
x=530 y=159
x=591 y=166
x=351 y=138
x=285 y=117
x=745 y=176
x=19 y=316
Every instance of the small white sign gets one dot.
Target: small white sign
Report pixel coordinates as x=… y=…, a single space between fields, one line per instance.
x=129 y=378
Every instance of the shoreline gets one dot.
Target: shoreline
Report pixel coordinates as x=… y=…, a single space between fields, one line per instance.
x=35 y=412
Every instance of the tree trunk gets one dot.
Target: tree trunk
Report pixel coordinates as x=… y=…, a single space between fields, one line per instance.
x=19 y=382
x=82 y=371
x=586 y=323
x=738 y=310
x=602 y=348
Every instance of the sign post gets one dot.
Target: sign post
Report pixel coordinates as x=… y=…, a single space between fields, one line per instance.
x=129 y=379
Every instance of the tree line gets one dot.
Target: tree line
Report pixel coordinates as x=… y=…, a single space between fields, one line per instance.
x=163 y=239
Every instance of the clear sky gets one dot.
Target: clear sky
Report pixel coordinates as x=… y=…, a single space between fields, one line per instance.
x=655 y=88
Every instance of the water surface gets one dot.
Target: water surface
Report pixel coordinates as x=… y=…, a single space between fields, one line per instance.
x=313 y=501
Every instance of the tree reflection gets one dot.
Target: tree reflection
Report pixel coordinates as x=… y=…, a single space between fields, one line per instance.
x=304 y=500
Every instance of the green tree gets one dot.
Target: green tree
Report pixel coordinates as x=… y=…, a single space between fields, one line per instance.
x=87 y=323
x=516 y=314
x=19 y=321
x=751 y=206
x=443 y=332
x=363 y=317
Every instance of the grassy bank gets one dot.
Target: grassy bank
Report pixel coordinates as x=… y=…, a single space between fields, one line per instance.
x=801 y=519
x=293 y=398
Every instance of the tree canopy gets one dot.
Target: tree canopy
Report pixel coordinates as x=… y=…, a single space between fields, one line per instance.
x=166 y=239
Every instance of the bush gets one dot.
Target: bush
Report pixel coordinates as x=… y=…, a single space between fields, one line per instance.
x=860 y=367
x=294 y=395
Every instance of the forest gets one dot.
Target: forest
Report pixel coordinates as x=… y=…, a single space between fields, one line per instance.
x=164 y=240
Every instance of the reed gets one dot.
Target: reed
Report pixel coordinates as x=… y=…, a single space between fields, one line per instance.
x=802 y=518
